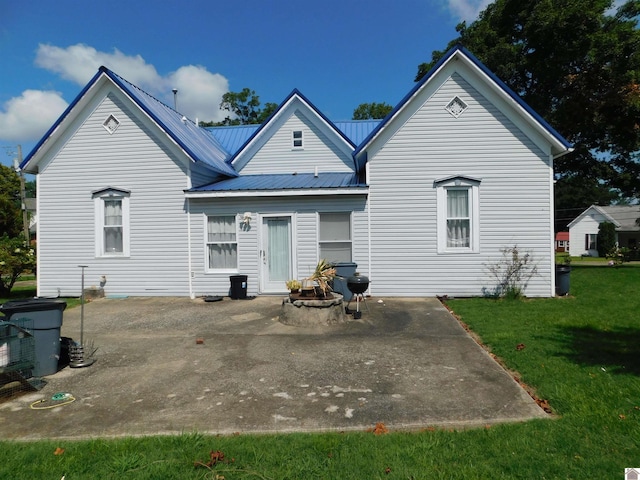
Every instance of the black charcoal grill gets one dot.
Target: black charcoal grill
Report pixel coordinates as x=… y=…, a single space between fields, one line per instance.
x=357 y=285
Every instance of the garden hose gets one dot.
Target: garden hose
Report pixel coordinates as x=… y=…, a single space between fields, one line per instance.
x=62 y=397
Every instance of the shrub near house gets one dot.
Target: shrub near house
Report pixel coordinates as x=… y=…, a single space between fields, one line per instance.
x=16 y=257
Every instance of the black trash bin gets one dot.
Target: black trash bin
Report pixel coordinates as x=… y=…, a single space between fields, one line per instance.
x=238 y=287
x=563 y=279
x=344 y=270
x=45 y=316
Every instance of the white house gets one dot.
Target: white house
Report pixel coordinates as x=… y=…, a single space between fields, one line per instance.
x=583 y=230
x=423 y=201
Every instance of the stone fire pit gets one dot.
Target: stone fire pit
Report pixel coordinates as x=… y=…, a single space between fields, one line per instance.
x=298 y=310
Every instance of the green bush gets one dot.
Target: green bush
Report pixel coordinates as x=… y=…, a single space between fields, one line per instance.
x=606 y=238
x=16 y=257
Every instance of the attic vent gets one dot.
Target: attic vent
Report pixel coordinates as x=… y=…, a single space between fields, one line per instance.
x=456 y=106
x=111 y=124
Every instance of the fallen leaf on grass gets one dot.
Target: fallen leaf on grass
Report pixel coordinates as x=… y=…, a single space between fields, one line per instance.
x=520 y=346
x=58 y=451
x=379 y=429
x=215 y=456
x=622 y=416
x=387 y=470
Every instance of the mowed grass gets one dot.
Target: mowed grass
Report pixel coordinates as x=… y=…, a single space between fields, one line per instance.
x=580 y=353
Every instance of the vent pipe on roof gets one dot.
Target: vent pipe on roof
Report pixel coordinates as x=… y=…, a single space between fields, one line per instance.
x=315 y=171
x=175 y=99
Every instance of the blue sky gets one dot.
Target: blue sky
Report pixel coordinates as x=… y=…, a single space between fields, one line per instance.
x=338 y=53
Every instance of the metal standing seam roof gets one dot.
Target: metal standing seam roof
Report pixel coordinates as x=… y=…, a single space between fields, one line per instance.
x=232 y=138
x=298 y=181
x=196 y=141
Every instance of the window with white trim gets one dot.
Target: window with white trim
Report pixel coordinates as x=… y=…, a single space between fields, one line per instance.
x=222 y=244
x=296 y=138
x=335 y=236
x=111 y=207
x=591 y=241
x=458 y=215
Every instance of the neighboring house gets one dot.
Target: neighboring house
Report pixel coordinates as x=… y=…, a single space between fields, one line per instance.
x=31 y=206
x=423 y=201
x=583 y=230
x=562 y=242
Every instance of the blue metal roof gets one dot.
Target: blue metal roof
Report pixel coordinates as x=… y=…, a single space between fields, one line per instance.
x=357 y=130
x=232 y=138
x=298 y=181
x=197 y=142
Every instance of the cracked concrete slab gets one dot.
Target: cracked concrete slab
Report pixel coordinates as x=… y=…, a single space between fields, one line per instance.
x=173 y=365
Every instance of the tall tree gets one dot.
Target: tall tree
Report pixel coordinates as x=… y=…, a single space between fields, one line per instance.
x=244 y=108
x=366 y=111
x=576 y=63
x=10 y=205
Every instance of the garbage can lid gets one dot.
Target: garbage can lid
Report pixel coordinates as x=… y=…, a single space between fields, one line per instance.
x=32 y=304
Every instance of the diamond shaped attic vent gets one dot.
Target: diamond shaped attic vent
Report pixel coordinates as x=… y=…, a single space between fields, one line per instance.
x=456 y=106
x=111 y=124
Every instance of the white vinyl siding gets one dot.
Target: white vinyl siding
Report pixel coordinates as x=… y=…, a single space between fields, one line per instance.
x=429 y=144
x=583 y=233
x=132 y=158
x=305 y=227
x=335 y=236
x=280 y=155
x=222 y=245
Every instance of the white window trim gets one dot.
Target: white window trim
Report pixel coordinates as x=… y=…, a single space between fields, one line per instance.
x=318 y=242
x=458 y=182
x=207 y=269
x=293 y=140
x=99 y=198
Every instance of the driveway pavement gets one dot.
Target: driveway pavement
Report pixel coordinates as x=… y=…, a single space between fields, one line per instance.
x=173 y=365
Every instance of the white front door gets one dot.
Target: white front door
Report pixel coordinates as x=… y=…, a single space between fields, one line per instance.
x=276 y=253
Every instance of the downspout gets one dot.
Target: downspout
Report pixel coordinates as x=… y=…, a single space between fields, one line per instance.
x=552 y=209
x=189 y=260
x=366 y=179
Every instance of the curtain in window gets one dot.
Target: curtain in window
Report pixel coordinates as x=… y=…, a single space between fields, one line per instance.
x=279 y=256
x=458 y=222
x=335 y=236
x=221 y=237
x=113 y=242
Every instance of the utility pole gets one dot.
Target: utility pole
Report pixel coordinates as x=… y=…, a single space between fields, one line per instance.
x=23 y=202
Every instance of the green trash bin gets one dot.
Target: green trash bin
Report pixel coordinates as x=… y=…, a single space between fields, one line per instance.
x=45 y=317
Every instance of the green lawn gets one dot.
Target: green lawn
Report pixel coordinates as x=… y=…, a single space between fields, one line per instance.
x=580 y=353
x=19 y=292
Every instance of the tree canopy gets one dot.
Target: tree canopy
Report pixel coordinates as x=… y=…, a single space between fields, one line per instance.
x=10 y=204
x=366 y=111
x=244 y=108
x=577 y=64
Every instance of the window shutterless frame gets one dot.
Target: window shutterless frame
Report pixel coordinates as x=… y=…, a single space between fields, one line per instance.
x=111 y=218
x=458 y=214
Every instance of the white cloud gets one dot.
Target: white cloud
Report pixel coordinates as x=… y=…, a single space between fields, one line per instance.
x=467 y=10
x=29 y=116
x=199 y=91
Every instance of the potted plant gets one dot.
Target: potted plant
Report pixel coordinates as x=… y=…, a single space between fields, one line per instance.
x=323 y=274
x=294 y=286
